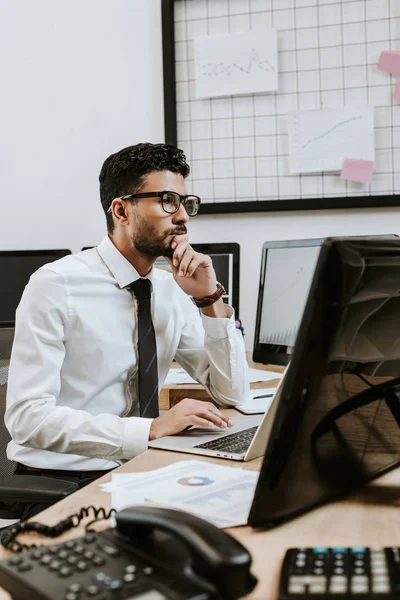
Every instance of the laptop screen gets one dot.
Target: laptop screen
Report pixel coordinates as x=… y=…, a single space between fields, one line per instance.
x=337 y=422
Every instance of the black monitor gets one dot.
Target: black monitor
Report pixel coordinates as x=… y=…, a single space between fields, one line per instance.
x=286 y=272
x=226 y=261
x=335 y=422
x=16 y=267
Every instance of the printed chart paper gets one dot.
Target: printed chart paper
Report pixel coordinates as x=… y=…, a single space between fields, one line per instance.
x=221 y=495
x=236 y=63
x=320 y=140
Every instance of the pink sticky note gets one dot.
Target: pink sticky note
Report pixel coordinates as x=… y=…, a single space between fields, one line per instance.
x=396 y=92
x=355 y=169
x=389 y=61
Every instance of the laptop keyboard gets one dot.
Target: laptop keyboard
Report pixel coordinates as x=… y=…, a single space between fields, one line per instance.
x=237 y=443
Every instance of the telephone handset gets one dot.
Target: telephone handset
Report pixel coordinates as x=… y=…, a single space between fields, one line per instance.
x=216 y=557
x=152 y=554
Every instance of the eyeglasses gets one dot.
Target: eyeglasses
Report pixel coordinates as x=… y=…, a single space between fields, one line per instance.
x=170 y=201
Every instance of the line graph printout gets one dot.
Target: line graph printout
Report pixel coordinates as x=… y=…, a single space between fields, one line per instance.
x=320 y=140
x=287 y=282
x=236 y=63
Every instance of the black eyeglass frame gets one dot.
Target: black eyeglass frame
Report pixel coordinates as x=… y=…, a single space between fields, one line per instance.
x=183 y=199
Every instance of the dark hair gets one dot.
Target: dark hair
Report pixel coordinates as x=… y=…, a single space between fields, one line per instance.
x=124 y=172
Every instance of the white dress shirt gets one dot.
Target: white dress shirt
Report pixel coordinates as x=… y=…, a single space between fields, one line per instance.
x=75 y=342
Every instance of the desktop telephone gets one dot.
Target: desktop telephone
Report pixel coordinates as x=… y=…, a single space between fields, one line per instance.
x=152 y=554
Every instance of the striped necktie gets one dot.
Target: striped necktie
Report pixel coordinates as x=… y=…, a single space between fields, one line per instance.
x=147 y=348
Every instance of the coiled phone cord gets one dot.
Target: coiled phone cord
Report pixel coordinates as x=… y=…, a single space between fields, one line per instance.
x=10 y=542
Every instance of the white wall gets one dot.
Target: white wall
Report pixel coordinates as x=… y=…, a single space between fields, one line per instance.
x=80 y=79
x=252 y=230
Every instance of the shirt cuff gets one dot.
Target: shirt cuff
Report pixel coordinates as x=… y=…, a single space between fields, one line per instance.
x=219 y=328
x=135 y=436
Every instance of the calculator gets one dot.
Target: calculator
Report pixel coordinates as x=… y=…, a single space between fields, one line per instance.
x=358 y=573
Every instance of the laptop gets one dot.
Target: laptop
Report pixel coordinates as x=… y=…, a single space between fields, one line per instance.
x=246 y=440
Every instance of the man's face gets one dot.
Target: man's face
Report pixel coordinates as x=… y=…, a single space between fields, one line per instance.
x=153 y=229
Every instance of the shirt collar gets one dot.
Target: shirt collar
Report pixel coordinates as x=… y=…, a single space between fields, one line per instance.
x=119 y=266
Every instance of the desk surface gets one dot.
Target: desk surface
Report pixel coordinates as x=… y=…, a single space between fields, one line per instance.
x=370 y=517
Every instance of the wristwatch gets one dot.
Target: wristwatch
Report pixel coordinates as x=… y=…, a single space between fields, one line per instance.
x=208 y=300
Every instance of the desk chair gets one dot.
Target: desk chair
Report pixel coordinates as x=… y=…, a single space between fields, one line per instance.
x=20 y=488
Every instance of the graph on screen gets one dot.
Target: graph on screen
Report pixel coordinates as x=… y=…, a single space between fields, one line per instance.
x=288 y=276
x=236 y=63
x=320 y=140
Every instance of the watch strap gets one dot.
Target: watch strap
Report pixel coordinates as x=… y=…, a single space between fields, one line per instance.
x=208 y=300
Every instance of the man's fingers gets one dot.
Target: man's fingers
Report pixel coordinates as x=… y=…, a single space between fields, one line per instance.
x=219 y=413
x=192 y=266
x=197 y=421
x=186 y=261
x=179 y=252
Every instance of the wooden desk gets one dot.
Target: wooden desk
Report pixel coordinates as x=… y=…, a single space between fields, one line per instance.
x=367 y=518
x=172 y=394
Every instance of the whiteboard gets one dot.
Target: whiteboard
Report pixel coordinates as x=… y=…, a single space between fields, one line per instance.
x=328 y=50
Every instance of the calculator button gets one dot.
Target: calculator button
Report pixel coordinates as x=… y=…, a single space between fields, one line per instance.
x=296 y=588
x=380 y=588
x=338 y=589
x=380 y=570
x=359 y=571
x=301 y=579
x=339 y=580
x=359 y=589
x=317 y=588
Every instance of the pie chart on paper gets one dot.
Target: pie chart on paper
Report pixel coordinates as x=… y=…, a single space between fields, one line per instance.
x=195 y=480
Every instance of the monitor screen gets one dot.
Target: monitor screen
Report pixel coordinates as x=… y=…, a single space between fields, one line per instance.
x=336 y=422
x=226 y=259
x=16 y=267
x=286 y=272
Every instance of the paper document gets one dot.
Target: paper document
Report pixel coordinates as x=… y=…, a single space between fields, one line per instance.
x=243 y=62
x=257 y=402
x=178 y=376
x=221 y=495
x=320 y=139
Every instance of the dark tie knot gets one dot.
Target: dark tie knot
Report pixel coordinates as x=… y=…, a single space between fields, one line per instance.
x=141 y=288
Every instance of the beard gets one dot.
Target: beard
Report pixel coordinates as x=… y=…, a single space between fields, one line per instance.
x=148 y=242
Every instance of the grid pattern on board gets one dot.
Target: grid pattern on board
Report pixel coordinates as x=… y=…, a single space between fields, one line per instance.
x=328 y=50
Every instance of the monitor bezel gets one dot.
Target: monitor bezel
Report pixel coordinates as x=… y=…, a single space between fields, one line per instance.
x=55 y=254
x=273 y=353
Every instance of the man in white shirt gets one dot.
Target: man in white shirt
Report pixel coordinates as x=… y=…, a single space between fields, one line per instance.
x=72 y=402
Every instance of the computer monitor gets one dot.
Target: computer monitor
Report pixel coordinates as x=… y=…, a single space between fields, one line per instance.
x=286 y=272
x=16 y=267
x=336 y=422
x=226 y=261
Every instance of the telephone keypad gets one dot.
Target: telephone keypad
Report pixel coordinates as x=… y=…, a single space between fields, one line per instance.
x=74 y=571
